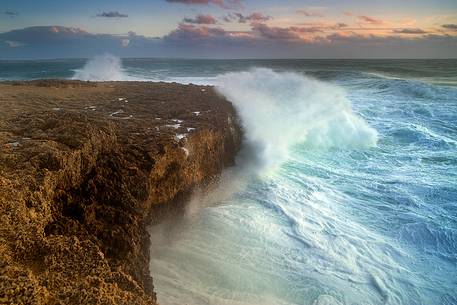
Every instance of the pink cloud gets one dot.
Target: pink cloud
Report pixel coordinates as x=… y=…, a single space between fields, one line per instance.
x=311 y=33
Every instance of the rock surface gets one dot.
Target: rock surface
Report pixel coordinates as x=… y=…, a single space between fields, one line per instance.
x=84 y=168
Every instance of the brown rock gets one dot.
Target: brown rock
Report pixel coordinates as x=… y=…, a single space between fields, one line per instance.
x=84 y=168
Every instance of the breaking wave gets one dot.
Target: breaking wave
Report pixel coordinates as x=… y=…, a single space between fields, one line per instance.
x=102 y=68
x=279 y=110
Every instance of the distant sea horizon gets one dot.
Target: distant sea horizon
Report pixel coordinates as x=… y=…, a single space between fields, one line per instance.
x=230 y=58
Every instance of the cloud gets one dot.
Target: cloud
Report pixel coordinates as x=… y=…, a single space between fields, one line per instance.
x=341 y=25
x=55 y=41
x=285 y=34
x=43 y=34
x=309 y=13
x=112 y=14
x=255 y=17
x=354 y=38
x=222 y=3
x=200 y=40
x=276 y=33
x=409 y=31
x=201 y=19
x=10 y=13
x=370 y=20
x=190 y=32
x=450 y=26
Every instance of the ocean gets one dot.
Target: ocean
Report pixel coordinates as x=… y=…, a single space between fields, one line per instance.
x=345 y=191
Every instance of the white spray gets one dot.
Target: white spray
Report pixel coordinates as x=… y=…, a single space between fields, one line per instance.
x=279 y=110
x=102 y=68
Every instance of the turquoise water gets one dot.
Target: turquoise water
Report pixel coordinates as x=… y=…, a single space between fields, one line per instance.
x=345 y=193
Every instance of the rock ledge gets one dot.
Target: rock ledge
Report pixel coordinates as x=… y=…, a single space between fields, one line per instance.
x=84 y=168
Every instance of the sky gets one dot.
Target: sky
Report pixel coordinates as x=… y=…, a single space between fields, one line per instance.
x=228 y=28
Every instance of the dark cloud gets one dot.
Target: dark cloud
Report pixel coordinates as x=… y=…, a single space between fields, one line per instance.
x=10 y=13
x=450 y=26
x=188 y=32
x=276 y=33
x=309 y=13
x=56 y=41
x=370 y=20
x=409 y=31
x=221 y=3
x=201 y=19
x=255 y=17
x=281 y=34
x=112 y=14
x=355 y=38
x=44 y=34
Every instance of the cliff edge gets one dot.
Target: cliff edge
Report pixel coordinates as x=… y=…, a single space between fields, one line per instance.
x=84 y=168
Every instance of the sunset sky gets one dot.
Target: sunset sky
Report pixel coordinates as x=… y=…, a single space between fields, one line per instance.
x=229 y=28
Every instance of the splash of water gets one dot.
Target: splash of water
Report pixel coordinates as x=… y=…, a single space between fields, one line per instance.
x=102 y=68
x=279 y=110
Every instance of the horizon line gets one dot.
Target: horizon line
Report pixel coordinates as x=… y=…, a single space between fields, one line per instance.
x=240 y=58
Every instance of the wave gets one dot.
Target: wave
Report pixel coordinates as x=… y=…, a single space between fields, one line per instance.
x=417 y=88
x=108 y=67
x=440 y=240
x=281 y=109
x=103 y=68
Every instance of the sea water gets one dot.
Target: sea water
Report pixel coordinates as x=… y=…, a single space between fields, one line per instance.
x=345 y=191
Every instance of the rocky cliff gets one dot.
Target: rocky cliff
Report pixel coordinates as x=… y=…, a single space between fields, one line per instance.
x=84 y=168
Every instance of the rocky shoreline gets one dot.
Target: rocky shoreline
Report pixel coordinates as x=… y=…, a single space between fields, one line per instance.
x=85 y=168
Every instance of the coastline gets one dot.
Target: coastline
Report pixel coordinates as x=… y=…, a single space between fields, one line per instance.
x=85 y=167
